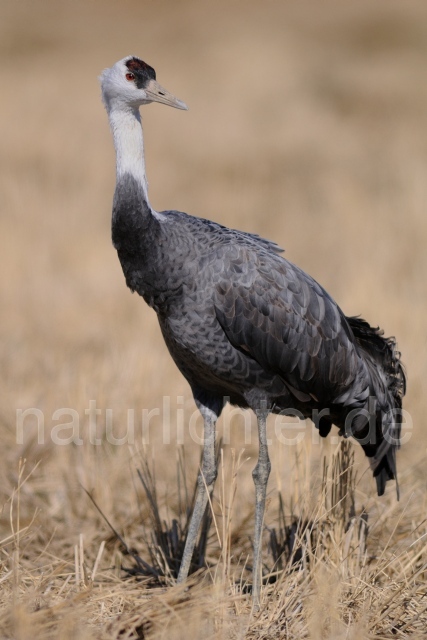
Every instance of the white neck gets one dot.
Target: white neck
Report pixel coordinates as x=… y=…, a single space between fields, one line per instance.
x=125 y=123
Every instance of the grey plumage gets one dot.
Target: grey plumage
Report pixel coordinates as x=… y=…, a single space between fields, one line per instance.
x=243 y=323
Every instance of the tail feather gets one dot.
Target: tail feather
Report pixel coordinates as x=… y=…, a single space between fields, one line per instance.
x=389 y=386
x=386 y=470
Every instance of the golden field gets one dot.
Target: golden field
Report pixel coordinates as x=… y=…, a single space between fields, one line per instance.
x=307 y=125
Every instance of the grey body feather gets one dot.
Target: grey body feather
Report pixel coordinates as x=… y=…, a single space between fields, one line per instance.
x=241 y=322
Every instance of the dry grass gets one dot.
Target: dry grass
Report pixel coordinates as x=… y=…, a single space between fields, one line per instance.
x=307 y=124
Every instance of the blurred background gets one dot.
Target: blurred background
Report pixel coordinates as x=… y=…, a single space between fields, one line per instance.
x=307 y=125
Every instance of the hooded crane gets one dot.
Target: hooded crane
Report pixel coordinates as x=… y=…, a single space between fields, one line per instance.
x=243 y=324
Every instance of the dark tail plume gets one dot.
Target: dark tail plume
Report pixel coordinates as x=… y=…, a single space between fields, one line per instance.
x=389 y=386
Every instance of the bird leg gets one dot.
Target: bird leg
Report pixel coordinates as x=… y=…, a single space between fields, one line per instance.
x=260 y=475
x=205 y=483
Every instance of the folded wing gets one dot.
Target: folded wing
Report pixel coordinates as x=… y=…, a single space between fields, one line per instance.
x=288 y=323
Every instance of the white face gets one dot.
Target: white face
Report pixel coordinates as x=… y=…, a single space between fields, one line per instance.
x=130 y=83
x=117 y=88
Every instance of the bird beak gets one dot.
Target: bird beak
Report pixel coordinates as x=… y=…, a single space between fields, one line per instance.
x=156 y=93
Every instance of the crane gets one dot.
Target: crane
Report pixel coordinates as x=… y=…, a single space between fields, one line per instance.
x=241 y=322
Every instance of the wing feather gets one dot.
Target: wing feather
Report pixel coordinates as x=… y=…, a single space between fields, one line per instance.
x=284 y=319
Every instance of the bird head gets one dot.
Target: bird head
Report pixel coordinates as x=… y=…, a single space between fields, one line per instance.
x=131 y=82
